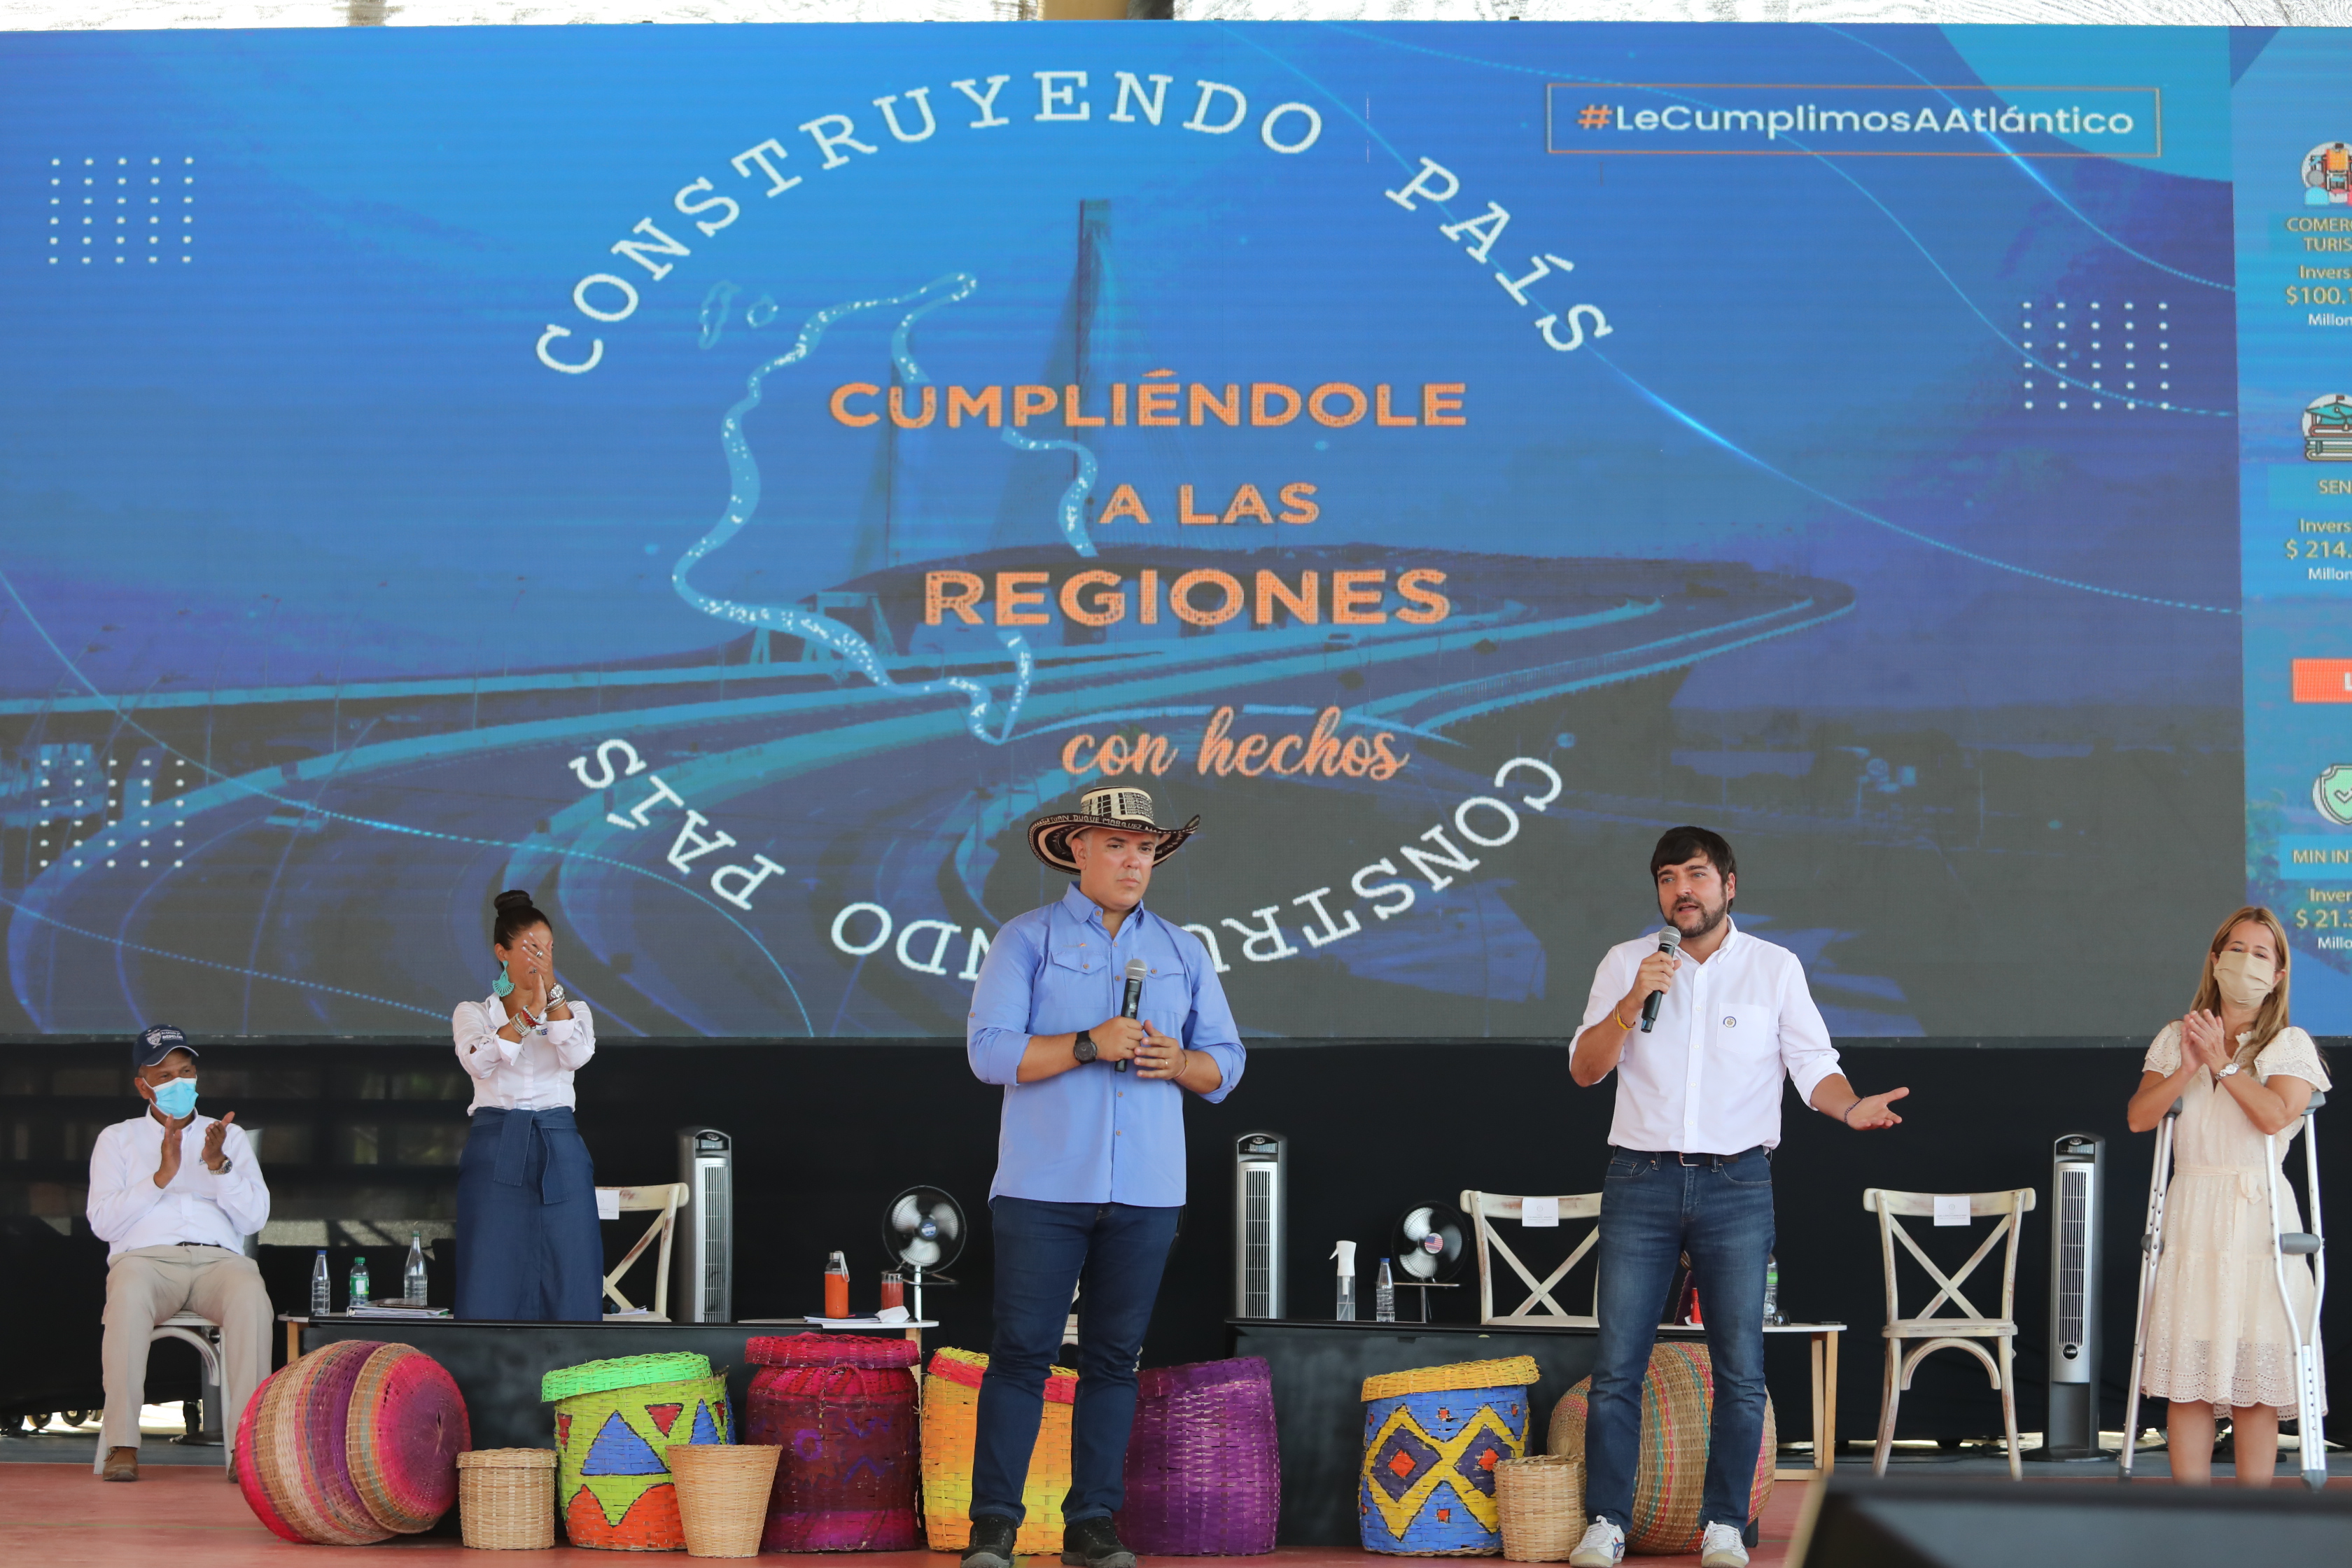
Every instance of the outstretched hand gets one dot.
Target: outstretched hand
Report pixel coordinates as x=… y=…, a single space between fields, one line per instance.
x=1871 y=1111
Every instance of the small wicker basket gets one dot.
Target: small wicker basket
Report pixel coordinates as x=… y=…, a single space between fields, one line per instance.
x=722 y=1495
x=1542 y=1501
x=506 y=1499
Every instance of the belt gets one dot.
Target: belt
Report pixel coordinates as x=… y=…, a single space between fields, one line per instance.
x=514 y=1147
x=1678 y=1156
x=2251 y=1185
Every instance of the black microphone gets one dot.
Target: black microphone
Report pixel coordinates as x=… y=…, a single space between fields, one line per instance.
x=1669 y=940
x=1132 y=1005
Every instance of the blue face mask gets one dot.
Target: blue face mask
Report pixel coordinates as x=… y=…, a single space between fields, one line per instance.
x=176 y=1097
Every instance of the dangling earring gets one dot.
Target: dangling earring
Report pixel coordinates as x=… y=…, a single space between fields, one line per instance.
x=502 y=985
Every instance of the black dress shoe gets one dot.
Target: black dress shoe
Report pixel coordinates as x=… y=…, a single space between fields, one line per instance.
x=991 y=1543
x=1094 y=1543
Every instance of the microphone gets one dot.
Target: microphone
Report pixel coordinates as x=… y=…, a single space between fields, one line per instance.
x=1669 y=940
x=1132 y=1003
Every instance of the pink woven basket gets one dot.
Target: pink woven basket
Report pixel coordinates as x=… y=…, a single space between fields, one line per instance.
x=843 y=1409
x=830 y=1350
x=355 y=1443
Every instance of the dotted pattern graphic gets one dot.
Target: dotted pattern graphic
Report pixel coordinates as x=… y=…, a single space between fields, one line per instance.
x=2091 y=355
x=133 y=208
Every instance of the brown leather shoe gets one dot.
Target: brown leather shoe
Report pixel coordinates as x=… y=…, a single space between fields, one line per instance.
x=122 y=1465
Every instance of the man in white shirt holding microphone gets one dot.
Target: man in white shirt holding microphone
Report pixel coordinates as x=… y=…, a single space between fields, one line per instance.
x=1700 y=1041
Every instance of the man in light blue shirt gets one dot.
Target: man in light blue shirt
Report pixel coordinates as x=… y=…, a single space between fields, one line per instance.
x=1090 y=1154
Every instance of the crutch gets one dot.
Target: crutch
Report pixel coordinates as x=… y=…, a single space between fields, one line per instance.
x=2151 y=1247
x=2310 y=1438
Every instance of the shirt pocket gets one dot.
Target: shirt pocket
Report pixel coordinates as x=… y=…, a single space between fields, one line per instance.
x=1068 y=994
x=1747 y=1029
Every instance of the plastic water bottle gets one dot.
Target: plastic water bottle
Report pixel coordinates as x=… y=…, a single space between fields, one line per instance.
x=359 y=1283
x=411 y=1279
x=1773 y=1290
x=1384 y=1296
x=322 y=1287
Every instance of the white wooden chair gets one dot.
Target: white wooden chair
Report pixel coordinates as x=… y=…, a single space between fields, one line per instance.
x=1968 y=1328
x=662 y=1202
x=1540 y=1305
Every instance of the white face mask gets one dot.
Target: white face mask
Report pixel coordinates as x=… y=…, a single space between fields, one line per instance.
x=2245 y=979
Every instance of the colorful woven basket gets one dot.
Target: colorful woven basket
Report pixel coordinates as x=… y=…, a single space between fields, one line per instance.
x=1432 y=1437
x=841 y=1408
x=1203 y=1475
x=1678 y=1402
x=951 y=1423
x=613 y=1435
x=355 y=1443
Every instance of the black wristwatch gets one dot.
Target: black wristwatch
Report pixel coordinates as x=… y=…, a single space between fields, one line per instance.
x=1082 y=1048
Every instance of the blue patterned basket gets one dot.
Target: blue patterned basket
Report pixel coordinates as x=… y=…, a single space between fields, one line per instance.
x=1432 y=1440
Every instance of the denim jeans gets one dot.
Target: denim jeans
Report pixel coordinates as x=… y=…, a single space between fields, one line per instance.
x=1654 y=1209
x=1043 y=1251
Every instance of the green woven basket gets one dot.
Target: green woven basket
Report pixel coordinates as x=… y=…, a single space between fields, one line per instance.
x=622 y=1371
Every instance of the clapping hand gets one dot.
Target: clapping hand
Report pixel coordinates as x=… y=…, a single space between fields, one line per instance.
x=2203 y=1042
x=216 y=1140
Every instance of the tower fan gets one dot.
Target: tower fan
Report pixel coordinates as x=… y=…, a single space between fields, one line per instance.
x=923 y=1231
x=1428 y=1249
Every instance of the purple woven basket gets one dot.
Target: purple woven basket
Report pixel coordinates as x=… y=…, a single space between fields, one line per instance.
x=1203 y=1476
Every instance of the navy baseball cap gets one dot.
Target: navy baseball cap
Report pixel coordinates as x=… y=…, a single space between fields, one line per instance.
x=151 y=1046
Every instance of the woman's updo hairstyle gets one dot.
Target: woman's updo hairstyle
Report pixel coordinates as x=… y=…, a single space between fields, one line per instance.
x=515 y=914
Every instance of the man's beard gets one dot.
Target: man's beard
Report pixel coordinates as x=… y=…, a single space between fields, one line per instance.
x=1708 y=919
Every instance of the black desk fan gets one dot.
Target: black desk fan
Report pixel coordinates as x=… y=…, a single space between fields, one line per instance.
x=923 y=1232
x=1429 y=1247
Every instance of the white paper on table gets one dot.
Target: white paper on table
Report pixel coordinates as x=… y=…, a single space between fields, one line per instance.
x=1539 y=1212
x=1951 y=1208
x=608 y=1203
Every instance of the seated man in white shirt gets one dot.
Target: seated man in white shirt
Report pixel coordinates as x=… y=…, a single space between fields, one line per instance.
x=173 y=1195
x=1690 y=1169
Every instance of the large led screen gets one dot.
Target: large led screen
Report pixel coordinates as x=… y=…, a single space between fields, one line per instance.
x=728 y=481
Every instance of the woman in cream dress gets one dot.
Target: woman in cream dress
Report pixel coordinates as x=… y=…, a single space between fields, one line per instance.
x=2217 y=1335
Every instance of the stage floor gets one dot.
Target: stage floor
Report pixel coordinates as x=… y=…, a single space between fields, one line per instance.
x=61 y=1516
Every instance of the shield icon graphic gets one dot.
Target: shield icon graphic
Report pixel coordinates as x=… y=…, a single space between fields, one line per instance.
x=2332 y=793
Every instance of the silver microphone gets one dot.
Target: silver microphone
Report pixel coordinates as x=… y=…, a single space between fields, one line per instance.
x=1132 y=1005
x=1669 y=940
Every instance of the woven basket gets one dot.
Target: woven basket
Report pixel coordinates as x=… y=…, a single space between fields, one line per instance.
x=612 y=1478
x=351 y=1443
x=506 y=1499
x=722 y=1496
x=1678 y=1402
x=950 y=1430
x=1541 y=1502
x=1204 y=1473
x=1433 y=1439
x=843 y=1405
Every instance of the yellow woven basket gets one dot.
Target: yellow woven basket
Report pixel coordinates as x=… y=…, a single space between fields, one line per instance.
x=950 y=1430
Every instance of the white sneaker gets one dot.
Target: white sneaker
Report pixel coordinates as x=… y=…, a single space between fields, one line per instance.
x=1603 y=1546
x=1721 y=1547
